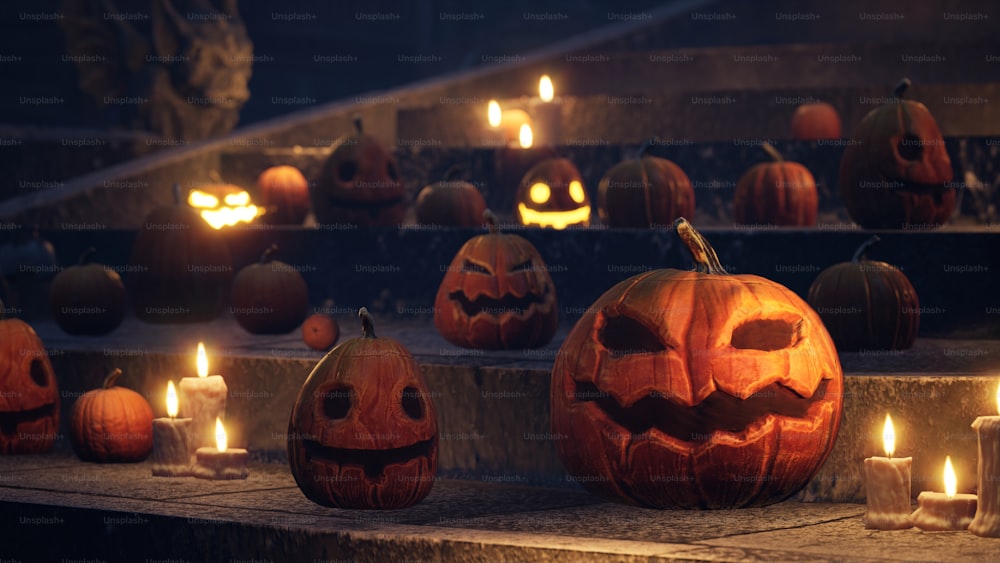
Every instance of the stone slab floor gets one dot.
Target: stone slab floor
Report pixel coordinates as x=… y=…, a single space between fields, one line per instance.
x=54 y=507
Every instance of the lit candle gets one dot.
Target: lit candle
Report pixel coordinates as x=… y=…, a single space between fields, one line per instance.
x=203 y=399
x=171 y=449
x=887 y=486
x=546 y=111
x=987 y=520
x=947 y=510
x=508 y=125
x=221 y=461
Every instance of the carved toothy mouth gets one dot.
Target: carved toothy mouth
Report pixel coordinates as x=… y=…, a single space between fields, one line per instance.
x=373 y=461
x=719 y=412
x=517 y=306
x=10 y=421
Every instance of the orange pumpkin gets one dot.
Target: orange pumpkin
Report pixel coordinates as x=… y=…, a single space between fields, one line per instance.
x=497 y=294
x=867 y=304
x=815 y=121
x=87 y=298
x=450 y=203
x=111 y=424
x=363 y=430
x=269 y=297
x=284 y=192
x=320 y=331
x=29 y=404
x=644 y=192
x=897 y=173
x=776 y=193
x=696 y=389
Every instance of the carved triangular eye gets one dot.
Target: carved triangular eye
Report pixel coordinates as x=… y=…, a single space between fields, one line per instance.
x=623 y=336
x=470 y=267
x=767 y=334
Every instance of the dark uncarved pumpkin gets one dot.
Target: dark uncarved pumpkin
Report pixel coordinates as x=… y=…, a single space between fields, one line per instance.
x=696 y=389
x=29 y=404
x=867 y=304
x=88 y=298
x=450 y=203
x=644 y=192
x=497 y=294
x=269 y=297
x=897 y=173
x=777 y=193
x=363 y=430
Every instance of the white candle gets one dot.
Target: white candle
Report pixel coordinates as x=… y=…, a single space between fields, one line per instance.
x=987 y=520
x=221 y=461
x=203 y=399
x=944 y=511
x=546 y=111
x=171 y=449
x=508 y=127
x=887 y=486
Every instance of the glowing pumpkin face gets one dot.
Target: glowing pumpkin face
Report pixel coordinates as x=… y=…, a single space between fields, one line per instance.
x=552 y=195
x=223 y=205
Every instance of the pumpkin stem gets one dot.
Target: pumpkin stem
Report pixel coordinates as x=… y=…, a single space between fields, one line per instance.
x=268 y=254
x=112 y=377
x=900 y=88
x=450 y=173
x=87 y=255
x=772 y=152
x=491 y=221
x=356 y=119
x=178 y=200
x=367 y=323
x=643 y=149
x=706 y=261
x=859 y=254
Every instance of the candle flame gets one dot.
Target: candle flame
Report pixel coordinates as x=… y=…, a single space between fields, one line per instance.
x=171 y=400
x=526 y=137
x=220 y=435
x=950 y=482
x=546 y=91
x=493 y=113
x=889 y=436
x=202 y=360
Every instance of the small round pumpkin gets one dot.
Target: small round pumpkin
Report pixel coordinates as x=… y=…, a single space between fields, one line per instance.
x=866 y=304
x=180 y=267
x=320 y=331
x=897 y=173
x=29 y=404
x=497 y=294
x=111 y=424
x=87 y=299
x=644 y=192
x=696 y=389
x=363 y=430
x=284 y=192
x=777 y=193
x=269 y=297
x=815 y=121
x=359 y=184
x=552 y=195
x=28 y=257
x=450 y=203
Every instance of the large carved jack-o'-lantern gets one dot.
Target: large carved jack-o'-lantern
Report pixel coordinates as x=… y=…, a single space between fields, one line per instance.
x=363 y=431
x=696 y=389
x=359 y=184
x=552 y=195
x=29 y=404
x=898 y=173
x=497 y=294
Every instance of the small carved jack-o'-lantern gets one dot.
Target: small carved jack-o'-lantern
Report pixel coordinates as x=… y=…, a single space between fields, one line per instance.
x=866 y=304
x=363 y=431
x=897 y=174
x=223 y=205
x=359 y=184
x=643 y=192
x=696 y=389
x=497 y=294
x=552 y=195
x=29 y=405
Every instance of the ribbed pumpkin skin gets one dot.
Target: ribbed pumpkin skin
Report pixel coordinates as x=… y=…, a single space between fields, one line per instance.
x=776 y=193
x=111 y=425
x=867 y=305
x=320 y=331
x=881 y=187
x=450 y=204
x=29 y=408
x=284 y=192
x=181 y=268
x=816 y=121
x=644 y=192
x=269 y=298
x=87 y=299
x=328 y=454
